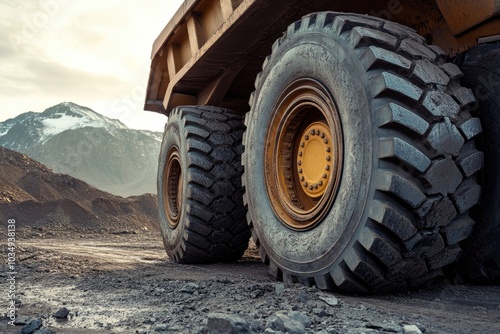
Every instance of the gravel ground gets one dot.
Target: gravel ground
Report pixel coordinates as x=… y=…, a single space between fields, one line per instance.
x=126 y=284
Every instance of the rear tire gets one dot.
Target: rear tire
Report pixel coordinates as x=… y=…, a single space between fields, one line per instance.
x=481 y=260
x=202 y=217
x=393 y=205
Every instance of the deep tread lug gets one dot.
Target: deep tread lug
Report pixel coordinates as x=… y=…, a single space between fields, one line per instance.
x=446 y=257
x=458 y=230
x=467 y=195
x=436 y=211
x=388 y=83
x=445 y=138
x=396 y=114
x=401 y=187
x=361 y=36
x=471 y=164
x=430 y=74
x=443 y=177
x=390 y=217
x=380 y=247
x=471 y=128
x=440 y=104
x=375 y=57
x=344 y=281
x=416 y=50
x=397 y=148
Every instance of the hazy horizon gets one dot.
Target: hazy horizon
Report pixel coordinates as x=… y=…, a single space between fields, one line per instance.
x=95 y=54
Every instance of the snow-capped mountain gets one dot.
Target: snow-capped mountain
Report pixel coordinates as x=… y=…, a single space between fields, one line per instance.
x=76 y=140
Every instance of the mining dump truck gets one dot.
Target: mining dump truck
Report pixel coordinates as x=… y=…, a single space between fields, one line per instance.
x=356 y=141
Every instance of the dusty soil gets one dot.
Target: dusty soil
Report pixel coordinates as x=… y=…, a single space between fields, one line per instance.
x=44 y=202
x=124 y=283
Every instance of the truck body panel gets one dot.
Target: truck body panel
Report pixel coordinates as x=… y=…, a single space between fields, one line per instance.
x=212 y=50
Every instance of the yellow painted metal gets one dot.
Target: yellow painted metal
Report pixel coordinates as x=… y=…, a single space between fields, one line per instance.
x=462 y=15
x=304 y=154
x=211 y=50
x=314 y=159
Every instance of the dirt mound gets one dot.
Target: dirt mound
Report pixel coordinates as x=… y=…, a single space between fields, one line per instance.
x=43 y=202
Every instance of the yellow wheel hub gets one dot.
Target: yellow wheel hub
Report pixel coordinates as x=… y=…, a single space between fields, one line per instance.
x=304 y=154
x=314 y=159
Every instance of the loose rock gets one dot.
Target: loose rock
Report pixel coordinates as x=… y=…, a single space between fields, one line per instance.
x=386 y=327
x=219 y=323
x=30 y=328
x=161 y=328
x=411 y=329
x=283 y=323
x=279 y=289
x=44 y=330
x=300 y=317
x=62 y=313
x=256 y=293
x=189 y=288
x=330 y=300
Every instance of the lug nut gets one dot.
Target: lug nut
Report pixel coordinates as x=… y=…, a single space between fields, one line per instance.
x=306 y=137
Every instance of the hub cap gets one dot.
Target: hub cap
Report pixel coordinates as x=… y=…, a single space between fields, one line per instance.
x=172 y=187
x=303 y=161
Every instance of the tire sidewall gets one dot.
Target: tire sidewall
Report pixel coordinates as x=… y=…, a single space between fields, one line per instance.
x=172 y=237
x=334 y=65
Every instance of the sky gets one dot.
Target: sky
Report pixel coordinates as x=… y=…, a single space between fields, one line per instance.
x=94 y=53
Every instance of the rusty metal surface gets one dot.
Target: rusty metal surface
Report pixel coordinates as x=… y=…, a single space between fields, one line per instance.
x=196 y=60
x=462 y=15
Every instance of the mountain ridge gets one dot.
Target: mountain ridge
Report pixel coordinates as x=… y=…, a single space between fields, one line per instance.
x=78 y=141
x=37 y=198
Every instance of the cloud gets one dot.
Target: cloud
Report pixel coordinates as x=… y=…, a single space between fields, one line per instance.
x=94 y=53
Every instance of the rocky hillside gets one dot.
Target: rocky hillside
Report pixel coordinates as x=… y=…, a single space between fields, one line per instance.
x=42 y=202
x=77 y=141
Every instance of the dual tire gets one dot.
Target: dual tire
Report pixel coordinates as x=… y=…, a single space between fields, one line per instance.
x=360 y=166
x=481 y=260
x=201 y=213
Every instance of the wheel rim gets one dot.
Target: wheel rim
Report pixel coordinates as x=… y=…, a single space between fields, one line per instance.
x=172 y=187
x=304 y=154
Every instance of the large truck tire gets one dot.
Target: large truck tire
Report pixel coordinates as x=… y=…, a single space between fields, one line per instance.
x=200 y=198
x=360 y=162
x=481 y=260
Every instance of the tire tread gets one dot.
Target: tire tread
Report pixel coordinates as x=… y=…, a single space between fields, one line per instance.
x=215 y=228
x=423 y=118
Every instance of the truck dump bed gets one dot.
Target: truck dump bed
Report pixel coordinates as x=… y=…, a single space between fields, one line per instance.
x=211 y=50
